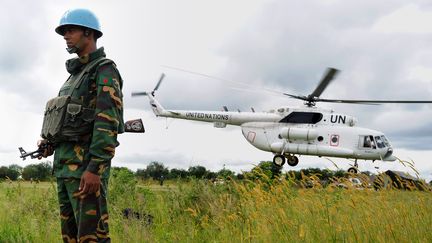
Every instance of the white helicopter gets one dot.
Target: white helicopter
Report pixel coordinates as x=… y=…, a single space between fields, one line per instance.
x=290 y=131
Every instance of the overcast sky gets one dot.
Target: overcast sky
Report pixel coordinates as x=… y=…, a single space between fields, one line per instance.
x=382 y=48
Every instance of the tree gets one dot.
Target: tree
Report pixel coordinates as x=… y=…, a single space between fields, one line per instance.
x=3 y=172
x=14 y=171
x=178 y=173
x=197 y=171
x=269 y=168
x=210 y=175
x=340 y=173
x=117 y=170
x=41 y=171
x=240 y=176
x=156 y=170
x=265 y=171
x=142 y=174
x=225 y=173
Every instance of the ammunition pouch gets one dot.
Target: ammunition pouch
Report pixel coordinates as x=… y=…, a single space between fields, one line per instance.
x=66 y=119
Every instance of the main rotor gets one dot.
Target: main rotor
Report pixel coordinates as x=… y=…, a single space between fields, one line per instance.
x=330 y=74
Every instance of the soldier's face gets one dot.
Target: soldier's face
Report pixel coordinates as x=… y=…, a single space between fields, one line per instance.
x=72 y=35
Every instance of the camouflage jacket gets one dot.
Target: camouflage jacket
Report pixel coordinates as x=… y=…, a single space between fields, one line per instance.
x=100 y=90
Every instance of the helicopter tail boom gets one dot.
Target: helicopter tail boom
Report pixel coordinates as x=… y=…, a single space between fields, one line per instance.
x=156 y=107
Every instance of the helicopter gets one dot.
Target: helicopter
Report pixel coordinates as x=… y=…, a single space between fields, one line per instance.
x=290 y=131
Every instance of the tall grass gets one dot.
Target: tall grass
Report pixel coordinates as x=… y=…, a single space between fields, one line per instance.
x=28 y=212
x=257 y=212
x=260 y=210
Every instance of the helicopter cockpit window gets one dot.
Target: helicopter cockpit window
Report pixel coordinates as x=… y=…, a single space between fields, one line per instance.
x=368 y=142
x=386 y=142
x=379 y=142
x=302 y=117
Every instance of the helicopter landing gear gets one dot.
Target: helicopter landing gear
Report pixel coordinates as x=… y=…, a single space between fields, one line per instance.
x=279 y=160
x=354 y=169
x=292 y=160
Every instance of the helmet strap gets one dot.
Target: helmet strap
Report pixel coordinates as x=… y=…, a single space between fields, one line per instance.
x=76 y=48
x=72 y=49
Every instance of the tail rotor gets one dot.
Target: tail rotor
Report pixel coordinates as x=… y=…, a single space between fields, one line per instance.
x=152 y=92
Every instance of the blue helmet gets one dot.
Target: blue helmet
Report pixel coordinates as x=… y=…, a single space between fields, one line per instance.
x=80 y=17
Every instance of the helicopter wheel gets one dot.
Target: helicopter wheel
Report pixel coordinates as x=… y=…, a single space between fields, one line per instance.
x=279 y=160
x=293 y=161
x=353 y=170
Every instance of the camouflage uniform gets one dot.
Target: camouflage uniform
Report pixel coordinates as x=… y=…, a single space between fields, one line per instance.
x=86 y=219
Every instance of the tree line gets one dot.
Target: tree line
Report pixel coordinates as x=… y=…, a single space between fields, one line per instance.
x=40 y=172
x=158 y=171
x=154 y=170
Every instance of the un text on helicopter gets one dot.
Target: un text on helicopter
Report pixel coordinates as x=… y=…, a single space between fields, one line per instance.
x=307 y=130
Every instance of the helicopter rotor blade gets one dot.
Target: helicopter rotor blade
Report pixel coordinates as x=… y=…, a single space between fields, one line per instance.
x=139 y=93
x=325 y=81
x=159 y=82
x=152 y=93
x=376 y=102
x=296 y=96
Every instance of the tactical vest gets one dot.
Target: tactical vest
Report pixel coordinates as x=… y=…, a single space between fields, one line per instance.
x=66 y=117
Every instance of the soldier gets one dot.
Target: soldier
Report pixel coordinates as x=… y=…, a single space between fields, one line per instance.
x=81 y=124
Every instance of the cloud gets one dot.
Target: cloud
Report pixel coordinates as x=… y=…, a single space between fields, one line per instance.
x=20 y=40
x=275 y=51
x=410 y=18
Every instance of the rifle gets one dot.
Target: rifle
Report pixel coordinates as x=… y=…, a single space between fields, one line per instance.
x=35 y=154
x=132 y=126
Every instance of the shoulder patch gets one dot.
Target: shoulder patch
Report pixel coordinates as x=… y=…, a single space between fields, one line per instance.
x=106 y=75
x=105 y=81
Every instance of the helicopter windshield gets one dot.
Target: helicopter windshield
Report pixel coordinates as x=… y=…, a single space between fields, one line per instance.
x=302 y=117
x=386 y=142
x=373 y=142
x=379 y=142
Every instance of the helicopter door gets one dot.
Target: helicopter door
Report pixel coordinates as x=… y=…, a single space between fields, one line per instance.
x=367 y=142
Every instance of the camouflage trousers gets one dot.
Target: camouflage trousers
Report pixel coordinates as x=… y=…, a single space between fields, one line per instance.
x=82 y=219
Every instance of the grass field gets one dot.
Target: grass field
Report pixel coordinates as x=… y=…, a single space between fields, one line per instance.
x=199 y=211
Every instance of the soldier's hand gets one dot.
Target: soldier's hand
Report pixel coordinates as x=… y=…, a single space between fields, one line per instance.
x=48 y=150
x=90 y=183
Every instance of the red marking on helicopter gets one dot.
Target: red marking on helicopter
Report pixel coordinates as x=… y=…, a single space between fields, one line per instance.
x=334 y=140
x=251 y=136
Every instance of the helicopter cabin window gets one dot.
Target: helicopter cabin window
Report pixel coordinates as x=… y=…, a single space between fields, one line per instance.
x=368 y=142
x=302 y=117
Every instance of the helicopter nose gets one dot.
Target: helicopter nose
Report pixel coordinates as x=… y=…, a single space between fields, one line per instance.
x=388 y=156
